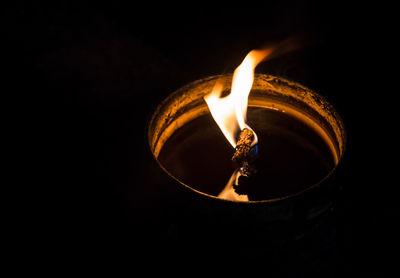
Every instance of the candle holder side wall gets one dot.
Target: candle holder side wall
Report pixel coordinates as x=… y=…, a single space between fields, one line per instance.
x=281 y=219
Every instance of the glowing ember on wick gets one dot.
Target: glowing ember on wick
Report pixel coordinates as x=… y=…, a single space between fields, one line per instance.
x=244 y=152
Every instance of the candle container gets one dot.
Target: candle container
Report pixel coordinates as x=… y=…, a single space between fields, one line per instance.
x=301 y=141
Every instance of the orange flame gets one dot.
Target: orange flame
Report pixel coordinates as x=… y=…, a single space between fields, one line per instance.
x=230 y=112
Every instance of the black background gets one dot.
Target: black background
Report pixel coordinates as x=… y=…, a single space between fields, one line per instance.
x=87 y=76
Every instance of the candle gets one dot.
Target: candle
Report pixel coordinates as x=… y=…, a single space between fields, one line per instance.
x=300 y=137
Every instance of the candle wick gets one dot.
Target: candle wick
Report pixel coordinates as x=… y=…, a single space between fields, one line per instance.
x=244 y=150
x=244 y=155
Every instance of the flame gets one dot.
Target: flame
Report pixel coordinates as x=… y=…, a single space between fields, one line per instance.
x=230 y=111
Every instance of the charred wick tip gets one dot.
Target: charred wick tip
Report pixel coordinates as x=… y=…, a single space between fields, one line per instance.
x=243 y=146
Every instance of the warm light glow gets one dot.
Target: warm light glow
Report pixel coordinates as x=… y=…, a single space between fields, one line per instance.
x=230 y=112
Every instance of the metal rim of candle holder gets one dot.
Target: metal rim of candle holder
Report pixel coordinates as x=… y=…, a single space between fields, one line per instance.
x=187 y=103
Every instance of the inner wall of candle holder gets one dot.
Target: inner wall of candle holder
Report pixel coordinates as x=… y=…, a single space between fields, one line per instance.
x=301 y=138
